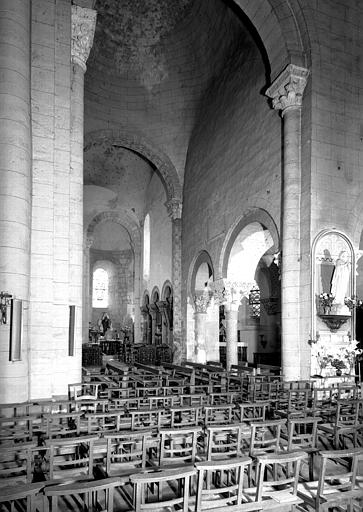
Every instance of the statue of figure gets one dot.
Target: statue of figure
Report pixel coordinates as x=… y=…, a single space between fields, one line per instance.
x=105 y=323
x=340 y=279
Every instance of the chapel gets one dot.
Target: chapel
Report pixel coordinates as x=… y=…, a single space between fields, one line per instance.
x=181 y=242
x=187 y=172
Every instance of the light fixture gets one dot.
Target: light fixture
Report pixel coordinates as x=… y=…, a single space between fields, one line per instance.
x=5 y=301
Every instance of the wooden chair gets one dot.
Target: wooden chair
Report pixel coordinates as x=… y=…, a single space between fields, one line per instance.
x=295 y=403
x=226 y=441
x=62 y=424
x=185 y=416
x=128 y=452
x=336 y=486
x=265 y=439
x=96 y=495
x=106 y=421
x=70 y=458
x=345 y=424
x=252 y=411
x=16 y=464
x=163 y=490
x=20 y=428
x=220 y=486
x=149 y=419
x=218 y=414
x=179 y=446
x=302 y=434
x=22 y=497
x=277 y=481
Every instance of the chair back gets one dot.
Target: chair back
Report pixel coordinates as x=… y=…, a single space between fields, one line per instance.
x=178 y=446
x=265 y=437
x=282 y=476
x=163 y=490
x=220 y=486
x=95 y=495
x=226 y=441
x=127 y=450
x=71 y=457
x=302 y=432
x=345 y=478
x=253 y=411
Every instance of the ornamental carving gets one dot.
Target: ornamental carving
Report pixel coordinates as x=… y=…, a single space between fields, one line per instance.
x=83 y=29
x=226 y=291
x=174 y=207
x=202 y=302
x=288 y=88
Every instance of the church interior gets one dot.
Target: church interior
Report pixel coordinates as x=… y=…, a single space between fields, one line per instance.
x=181 y=271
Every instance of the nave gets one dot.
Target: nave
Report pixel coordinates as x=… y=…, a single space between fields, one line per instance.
x=191 y=437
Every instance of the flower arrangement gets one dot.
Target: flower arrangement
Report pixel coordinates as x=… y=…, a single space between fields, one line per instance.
x=353 y=302
x=326 y=301
x=337 y=363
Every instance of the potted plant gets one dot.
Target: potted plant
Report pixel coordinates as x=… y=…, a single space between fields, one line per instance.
x=339 y=365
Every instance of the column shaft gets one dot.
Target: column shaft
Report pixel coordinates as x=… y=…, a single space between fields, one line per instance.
x=179 y=346
x=231 y=335
x=15 y=190
x=200 y=337
x=290 y=275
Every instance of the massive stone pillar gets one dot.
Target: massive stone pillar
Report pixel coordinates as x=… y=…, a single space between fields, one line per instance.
x=174 y=207
x=286 y=93
x=15 y=186
x=83 y=26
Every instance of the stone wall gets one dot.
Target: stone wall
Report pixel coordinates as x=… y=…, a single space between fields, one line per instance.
x=234 y=159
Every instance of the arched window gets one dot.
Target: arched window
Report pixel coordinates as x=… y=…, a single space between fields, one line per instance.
x=100 y=288
x=147 y=247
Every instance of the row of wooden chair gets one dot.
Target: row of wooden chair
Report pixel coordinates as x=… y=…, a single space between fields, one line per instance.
x=216 y=486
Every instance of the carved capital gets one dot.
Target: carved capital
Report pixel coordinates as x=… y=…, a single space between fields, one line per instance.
x=228 y=292
x=88 y=242
x=288 y=88
x=83 y=29
x=201 y=302
x=174 y=207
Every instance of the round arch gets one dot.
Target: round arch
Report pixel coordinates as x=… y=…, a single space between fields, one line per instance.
x=122 y=218
x=155 y=292
x=202 y=257
x=254 y=215
x=140 y=144
x=164 y=289
x=145 y=297
x=279 y=25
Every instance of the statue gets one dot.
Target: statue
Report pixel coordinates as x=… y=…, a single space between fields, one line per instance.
x=340 y=280
x=104 y=323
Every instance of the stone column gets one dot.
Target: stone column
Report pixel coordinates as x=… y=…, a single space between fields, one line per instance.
x=286 y=93
x=15 y=186
x=201 y=304
x=174 y=207
x=231 y=310
x=144 y=329
x=87 y=289
x=162 y=305
x=153 y=313
x=83 y=27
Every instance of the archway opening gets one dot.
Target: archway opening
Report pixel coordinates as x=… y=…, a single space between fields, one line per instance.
x=252 y=266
